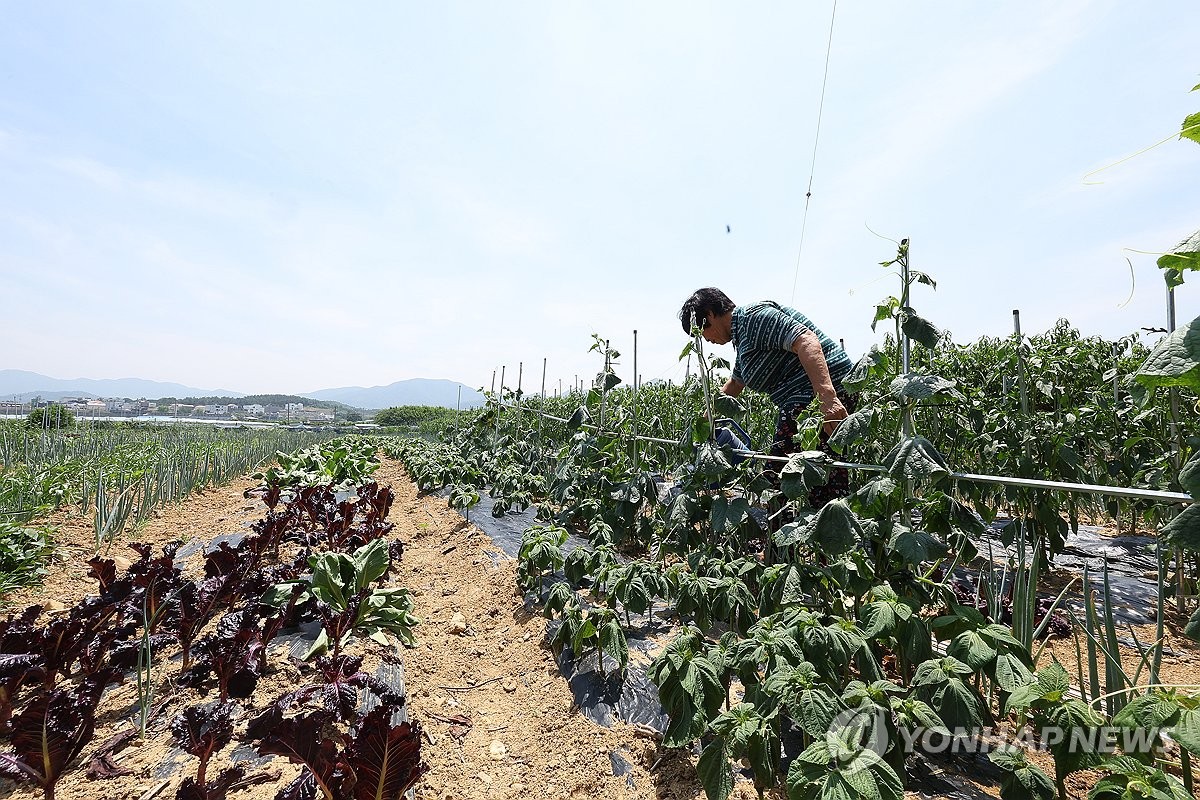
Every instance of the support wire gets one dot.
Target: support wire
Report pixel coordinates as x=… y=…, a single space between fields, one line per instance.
x=816 y=140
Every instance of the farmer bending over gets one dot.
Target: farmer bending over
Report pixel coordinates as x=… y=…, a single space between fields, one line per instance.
x=781 y=352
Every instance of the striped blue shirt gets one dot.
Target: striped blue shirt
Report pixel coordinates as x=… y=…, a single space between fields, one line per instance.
x=763 y=335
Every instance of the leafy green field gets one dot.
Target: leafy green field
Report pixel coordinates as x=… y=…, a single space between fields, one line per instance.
x=848 y=620
x=117 y=475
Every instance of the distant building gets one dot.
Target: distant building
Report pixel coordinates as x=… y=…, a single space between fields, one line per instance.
x=254 y=409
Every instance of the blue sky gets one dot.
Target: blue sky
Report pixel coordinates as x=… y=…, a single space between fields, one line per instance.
x=293 y=196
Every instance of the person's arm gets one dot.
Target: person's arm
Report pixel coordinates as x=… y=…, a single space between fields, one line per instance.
x=808 y=349
x=734 y=388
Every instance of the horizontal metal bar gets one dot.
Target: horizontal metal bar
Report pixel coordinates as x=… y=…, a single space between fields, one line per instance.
x=1024 y=483
x=1080 y=488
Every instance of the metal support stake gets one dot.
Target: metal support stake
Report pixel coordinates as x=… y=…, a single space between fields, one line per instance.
x=520 y=376
x=1176 y=450
x=604 y=384
x=542 y=408
x=501 y=408
x=906 y=424
x=1020 y=362
x=635 y=401
x=704 y=381
x=1116 y=375
x=906 y=418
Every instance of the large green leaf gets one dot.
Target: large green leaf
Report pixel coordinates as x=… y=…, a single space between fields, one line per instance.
x=711 y=463
x=885 y=310
x=330 y=583
x=370 y=562
x=605 y=381
x=729 y=513
x=1053 y=681
x=1153 y=710
x=916 y=547
x=814 y=710
x=937 y=671
x=874 y=362
x=1189 y=476
x=802 y=473
x=1187 y=731
x=919 y=387
x=833 y=530
x=1175 y=361
x=915 y=459
x=580 y=418
x=685 y=510
x=873 y=498
x=725 y=405
x=972 y=649
x=879 y=617
x=1184 y=530
x=714 y=771
x=853 y=428
x=1023 y=781
x=920 y=329
x=1186 y=255
x=1011 y=673
x=959 y=706
x=1191 y=128
x=613 y=643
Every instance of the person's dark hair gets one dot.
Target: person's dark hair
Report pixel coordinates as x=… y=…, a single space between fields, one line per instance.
x=704 y=303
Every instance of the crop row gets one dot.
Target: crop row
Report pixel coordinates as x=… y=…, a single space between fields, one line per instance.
x=320 y=553
x=117 y=475
x=849 y=623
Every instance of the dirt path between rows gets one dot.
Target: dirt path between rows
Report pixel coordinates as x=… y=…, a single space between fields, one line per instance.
x=525 y=738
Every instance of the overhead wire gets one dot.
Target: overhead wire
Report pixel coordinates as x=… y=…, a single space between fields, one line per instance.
x=816 y=141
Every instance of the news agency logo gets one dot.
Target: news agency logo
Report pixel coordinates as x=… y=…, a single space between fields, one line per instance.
x=858 y=738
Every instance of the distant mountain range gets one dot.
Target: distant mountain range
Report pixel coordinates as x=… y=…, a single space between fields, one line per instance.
x=412 y=392
x=23 y=386
x=27 y=385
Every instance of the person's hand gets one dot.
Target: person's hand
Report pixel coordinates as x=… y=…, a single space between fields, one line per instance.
x=834 y=412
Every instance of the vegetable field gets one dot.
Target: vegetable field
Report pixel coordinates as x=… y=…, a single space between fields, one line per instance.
x=830 y=653
x=937 y=631
x=117 y=476
x=187 y=645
